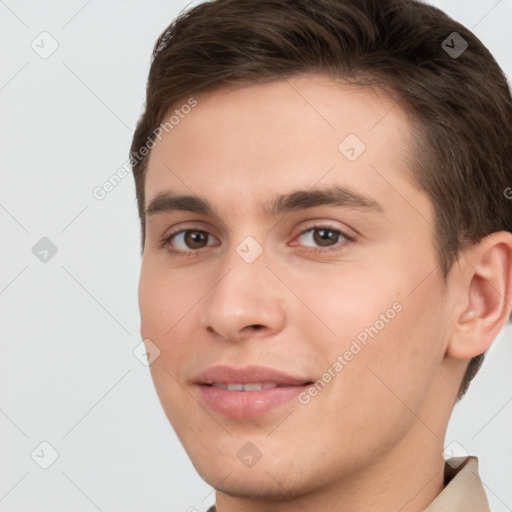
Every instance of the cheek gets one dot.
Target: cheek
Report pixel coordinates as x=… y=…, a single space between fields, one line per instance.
x=342 y=304
x=387 y=364
x=162 y=303
x=388 y=330
x=149 y=298
x=163 y=299
x=167 y=303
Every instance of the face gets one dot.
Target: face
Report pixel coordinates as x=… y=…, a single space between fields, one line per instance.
x=306 y=263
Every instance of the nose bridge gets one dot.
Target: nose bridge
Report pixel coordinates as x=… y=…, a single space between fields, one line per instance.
x=245 y=293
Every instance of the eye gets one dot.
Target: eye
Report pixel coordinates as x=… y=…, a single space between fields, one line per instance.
x=323 y=236
x=191 y=238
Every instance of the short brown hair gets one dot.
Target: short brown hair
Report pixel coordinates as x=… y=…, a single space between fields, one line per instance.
x=459 y=105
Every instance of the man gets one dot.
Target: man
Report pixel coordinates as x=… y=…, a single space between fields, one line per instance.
x=326 y=247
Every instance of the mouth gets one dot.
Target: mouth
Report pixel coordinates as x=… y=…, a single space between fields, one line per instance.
x=247 y=392
x=246 y=387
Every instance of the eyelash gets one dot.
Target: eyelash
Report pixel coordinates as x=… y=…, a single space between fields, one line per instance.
x=165 y=243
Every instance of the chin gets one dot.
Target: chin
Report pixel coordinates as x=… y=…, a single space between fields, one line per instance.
x=250 y=486
x=266 y=481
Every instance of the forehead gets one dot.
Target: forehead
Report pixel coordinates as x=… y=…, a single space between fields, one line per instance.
x=240 y=143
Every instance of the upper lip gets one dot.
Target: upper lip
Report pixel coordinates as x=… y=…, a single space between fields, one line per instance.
x=248 y=375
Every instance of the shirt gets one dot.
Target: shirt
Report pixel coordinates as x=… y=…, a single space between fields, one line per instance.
x=463 y=490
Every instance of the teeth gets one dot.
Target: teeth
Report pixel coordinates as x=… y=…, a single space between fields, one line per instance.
x=252 y=387
x=244 y=387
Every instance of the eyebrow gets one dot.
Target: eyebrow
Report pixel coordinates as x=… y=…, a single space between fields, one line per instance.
x=294 y=201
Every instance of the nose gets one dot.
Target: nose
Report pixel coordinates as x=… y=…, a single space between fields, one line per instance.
x=247 y=300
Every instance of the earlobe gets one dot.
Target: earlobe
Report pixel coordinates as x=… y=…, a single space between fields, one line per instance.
x=488 y=295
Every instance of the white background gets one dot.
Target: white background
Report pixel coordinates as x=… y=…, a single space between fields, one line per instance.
x=69 y=326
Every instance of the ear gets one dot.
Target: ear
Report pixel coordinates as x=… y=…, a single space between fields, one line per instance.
x=486 y=296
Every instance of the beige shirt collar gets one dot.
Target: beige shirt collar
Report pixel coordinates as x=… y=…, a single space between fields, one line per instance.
x=463 y=491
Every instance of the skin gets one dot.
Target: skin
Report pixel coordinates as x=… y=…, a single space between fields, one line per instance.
x=372 y=439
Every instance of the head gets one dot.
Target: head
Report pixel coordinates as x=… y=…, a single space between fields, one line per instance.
x=249 y=101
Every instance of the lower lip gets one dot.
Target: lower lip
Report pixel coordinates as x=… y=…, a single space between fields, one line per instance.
x=247 y=404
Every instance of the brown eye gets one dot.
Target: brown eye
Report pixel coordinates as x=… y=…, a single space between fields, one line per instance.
x=187 y=240
x=322 y=236
x=195 y=239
